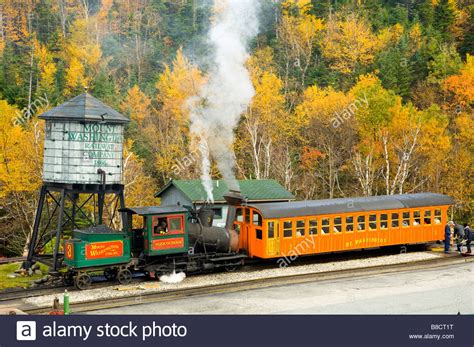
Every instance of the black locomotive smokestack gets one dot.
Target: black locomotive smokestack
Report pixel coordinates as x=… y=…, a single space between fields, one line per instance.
x=234 y=199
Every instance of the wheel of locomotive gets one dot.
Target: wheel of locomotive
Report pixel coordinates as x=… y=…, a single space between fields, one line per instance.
x=231 y=267
x=82 y=281
x=110 y=273
x=124 y=276
x=68 y=278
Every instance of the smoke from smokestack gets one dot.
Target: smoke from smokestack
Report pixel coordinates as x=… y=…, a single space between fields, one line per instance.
x=216 y=111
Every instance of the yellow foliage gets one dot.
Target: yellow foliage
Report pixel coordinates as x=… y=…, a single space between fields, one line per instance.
x=20 y=154
x=175 y=86
x=136 y=104
x=83 y=55
x=167 y=130
x=75 y=74
x=348 y=43
x=323 y=104
x=391 y=35
x=46 y=66
x=139 y=187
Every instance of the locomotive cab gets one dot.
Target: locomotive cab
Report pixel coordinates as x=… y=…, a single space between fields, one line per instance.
x=157 y=231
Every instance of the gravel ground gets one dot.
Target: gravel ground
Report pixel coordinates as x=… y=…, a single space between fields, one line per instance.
x=222 y=278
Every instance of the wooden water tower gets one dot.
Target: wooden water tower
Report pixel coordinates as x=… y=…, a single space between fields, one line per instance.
x=82 y=167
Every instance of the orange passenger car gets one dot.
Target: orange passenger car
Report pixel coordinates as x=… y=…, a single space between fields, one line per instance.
x=274 y=230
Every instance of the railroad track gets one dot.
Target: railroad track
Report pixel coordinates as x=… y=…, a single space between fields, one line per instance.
x=18 y=294
x=11 y=260
x=143 y=298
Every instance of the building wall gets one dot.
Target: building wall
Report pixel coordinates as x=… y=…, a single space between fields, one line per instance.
x=173 y=196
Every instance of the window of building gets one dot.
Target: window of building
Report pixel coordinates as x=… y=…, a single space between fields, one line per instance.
x=239 y=215
x=373 y=222
x=325 y=226
x=360 y=223
x=337 y=225
x=383 y=221
x=271 y=230
x=395 y=220
x=405 y=219
x=287 y=228
x=300 y=225
x=427 y=217
x=349 y=224
x=313 y=227
x=217 y=212
x=257 y=219
x=416 y=218
x=437 y=217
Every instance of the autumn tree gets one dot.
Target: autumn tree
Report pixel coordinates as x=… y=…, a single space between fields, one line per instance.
x=265 y=126
x=166 y=131
x=20 y=176
x=328 y=132
x=298 y=32
x=349 y=43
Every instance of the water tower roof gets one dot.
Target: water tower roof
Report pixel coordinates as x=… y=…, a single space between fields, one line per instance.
x=84 y=107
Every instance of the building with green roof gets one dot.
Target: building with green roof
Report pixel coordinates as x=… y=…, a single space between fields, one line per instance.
x=188 y=192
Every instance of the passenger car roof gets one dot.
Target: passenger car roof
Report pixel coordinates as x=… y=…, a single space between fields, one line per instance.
x=348 y=205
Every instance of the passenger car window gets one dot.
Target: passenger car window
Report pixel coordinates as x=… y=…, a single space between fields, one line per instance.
x=257 y=219
x=372 y=221
x=405 y=219
x=313 y=226
x=360 y=223
x=383 y=221
x=395 y=220
x=337 y=225
x=271 y=230
x=437 y=217
x=287 y=229
x=349 y=224
x=416 y=218
x=300 y=225
x=427 y=217
x=325 y=226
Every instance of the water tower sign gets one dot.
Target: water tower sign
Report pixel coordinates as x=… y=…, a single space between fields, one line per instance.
x=74 y=152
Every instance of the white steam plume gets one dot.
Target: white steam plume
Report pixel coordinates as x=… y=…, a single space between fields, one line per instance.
x=216 y=111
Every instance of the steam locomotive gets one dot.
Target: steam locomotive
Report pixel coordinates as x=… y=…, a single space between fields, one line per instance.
x=183 y=238
x=171 y=238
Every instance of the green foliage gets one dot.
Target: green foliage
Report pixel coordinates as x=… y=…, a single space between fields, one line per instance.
x=444 y=17
x=445 y=63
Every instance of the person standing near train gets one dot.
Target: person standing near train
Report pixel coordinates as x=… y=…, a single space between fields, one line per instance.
x=468 y=235
x=458 y=236
x=447 y=236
